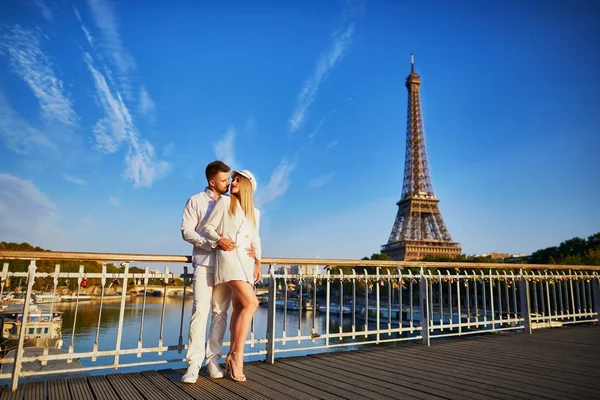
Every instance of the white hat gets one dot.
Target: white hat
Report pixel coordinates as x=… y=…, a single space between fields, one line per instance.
x=246 y=174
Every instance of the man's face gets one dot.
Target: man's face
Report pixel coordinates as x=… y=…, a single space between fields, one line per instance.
x=220 y=183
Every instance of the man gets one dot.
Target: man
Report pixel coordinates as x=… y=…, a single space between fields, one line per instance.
x=206 y=296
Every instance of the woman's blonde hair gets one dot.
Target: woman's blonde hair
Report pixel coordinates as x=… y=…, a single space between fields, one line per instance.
x=245 y=197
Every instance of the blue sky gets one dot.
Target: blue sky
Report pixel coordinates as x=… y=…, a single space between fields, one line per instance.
x=109 y=112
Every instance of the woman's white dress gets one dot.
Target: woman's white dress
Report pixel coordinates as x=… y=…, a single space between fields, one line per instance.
x=234 y=265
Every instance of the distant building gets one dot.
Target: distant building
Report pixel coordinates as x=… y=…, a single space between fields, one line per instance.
x=306 y=270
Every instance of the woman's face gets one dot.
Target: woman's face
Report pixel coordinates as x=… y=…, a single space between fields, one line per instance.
x=235 y=184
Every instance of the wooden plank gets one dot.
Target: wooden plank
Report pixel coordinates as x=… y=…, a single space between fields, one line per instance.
x=123 y=387
x=552 y=364
x=16 y=395
x=427 y=370
x=196 y=391
x=532 y=370
x=141 y=384
x=102 y=389
x=272 y=379
x=248 y=390
x=491 y=373
x=393 y=375
x=501 y=374
x=317 y=389
x=210 y=386
x=343 y=370
x=80 y=389
x=58 y=389
x=35 y=391
x=263 y=380
x=170 y=389
x=293 y=367
x=213 y=387
x=430 y=371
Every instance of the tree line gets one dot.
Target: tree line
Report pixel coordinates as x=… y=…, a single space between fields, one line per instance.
x=44 y=284
x=574 y=251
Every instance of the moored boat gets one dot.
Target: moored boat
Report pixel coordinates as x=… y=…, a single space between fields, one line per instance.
x=43 y=326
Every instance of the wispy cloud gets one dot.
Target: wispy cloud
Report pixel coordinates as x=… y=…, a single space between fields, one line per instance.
x=45 y=10
x=318 y=127
x=330 y=145
x=18 y=135
x=28 y=61
x=224 y=147
x=326 y=61
x=117 y=127
x=321 y=180
x=104 y=17
x=114 y=201
x=87 y=33
x=147 y=105
x=74 y=179
x=278 y=183
x=141 y=165
x=27 y=214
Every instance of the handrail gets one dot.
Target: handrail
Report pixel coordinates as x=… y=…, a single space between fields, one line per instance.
x=384 y=305
x=119 y=257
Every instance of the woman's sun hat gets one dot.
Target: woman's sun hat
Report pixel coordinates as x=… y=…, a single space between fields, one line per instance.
x=246 y=174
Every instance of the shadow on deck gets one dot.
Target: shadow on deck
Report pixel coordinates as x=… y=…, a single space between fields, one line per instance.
x=561 y=363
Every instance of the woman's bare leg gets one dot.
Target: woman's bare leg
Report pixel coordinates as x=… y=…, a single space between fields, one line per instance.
x=236 y=307
x=248 y=302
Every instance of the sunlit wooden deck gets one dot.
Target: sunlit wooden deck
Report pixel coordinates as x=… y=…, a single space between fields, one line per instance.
x=560 y=363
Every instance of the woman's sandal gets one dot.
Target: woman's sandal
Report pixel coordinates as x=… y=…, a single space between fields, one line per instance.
x=229 y=368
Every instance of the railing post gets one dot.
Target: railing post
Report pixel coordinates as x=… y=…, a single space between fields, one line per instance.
x=327 y=311
x=19 y=354
x=424 y=307
x=377 y=305
x=3 y=277
x=525 y=302
x=180 y=343
x=596 y=296
x=121 y=313
x=270 y=357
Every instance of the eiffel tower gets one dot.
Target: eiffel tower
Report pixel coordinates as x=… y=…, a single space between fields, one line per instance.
x=419 y=228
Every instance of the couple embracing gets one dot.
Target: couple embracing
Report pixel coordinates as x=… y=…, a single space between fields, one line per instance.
x=226 y=258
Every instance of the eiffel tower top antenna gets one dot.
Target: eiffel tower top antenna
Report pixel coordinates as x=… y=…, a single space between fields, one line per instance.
x=412 y=63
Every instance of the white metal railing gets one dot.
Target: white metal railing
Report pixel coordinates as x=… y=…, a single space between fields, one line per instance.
x=341 y=305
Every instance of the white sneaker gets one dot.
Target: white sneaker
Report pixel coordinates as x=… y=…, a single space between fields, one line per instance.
x=191 y=375
x=214 y=370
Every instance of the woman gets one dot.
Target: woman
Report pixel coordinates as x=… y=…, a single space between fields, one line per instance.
x=235 y=218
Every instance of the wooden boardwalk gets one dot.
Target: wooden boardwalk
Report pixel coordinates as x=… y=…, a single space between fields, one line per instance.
x=559 y=363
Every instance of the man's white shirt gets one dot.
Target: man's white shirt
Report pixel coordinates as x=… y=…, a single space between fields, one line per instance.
x=195 y=215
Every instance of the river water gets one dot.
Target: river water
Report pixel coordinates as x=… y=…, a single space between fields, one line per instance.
x=87 y=323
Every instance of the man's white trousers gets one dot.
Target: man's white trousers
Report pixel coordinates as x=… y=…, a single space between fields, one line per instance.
x=207 y=298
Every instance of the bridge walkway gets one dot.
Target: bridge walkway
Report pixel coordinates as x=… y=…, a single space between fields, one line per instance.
x=560 y=363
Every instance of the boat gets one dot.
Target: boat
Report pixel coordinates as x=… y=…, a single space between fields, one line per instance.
x=294 y=304
x=335 y=308
x=44 y=326
x=386 y=315
x=73 y=297
x=13 y=298
x=41 y=298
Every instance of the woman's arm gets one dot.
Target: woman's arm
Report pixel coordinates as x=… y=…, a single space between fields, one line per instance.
x=256 y=237
x=214 y=220
x=257 y=271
